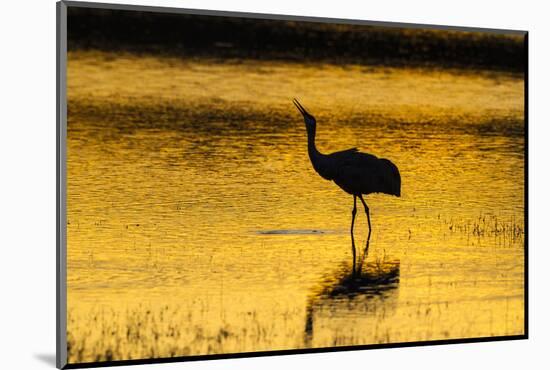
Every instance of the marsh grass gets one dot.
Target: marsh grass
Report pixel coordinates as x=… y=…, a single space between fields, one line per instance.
x=506 y=230
x=145 y=331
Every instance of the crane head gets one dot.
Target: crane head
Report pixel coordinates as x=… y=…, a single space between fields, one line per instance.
x=308 y=118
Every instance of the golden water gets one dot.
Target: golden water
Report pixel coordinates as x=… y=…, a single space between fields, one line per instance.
x=196 y=224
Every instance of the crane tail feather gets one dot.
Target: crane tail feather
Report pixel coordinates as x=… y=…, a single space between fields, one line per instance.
x=393 y=179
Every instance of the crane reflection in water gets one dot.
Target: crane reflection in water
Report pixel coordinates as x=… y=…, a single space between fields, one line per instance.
x=350 y=294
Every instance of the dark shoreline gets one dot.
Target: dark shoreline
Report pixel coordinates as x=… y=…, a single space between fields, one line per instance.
x=239 y=38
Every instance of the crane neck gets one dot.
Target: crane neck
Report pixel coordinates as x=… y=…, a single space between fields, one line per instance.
x=311 y=148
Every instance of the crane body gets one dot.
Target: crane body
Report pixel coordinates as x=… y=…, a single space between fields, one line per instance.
x=354 y=172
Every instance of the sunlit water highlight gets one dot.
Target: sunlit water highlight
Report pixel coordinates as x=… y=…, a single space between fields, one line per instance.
x=196 y=224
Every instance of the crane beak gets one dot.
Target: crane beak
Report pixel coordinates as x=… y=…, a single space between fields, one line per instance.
x=300 y=108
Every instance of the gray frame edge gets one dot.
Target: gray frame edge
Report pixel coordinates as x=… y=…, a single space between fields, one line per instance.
x=61 y=185
x=224 y=13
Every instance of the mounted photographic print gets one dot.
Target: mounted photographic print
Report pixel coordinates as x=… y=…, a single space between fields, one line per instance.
x=235 y=184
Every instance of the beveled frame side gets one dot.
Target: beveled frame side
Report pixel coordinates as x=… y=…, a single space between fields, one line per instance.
x=61 y=186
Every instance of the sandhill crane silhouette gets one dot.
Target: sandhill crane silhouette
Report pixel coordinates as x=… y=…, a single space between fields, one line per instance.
x=354 y=172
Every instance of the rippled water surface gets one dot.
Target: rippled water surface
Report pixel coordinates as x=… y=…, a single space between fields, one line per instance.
x=196 y=224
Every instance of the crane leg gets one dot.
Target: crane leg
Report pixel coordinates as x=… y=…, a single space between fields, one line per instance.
x=353 y=213
x=368 y=220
